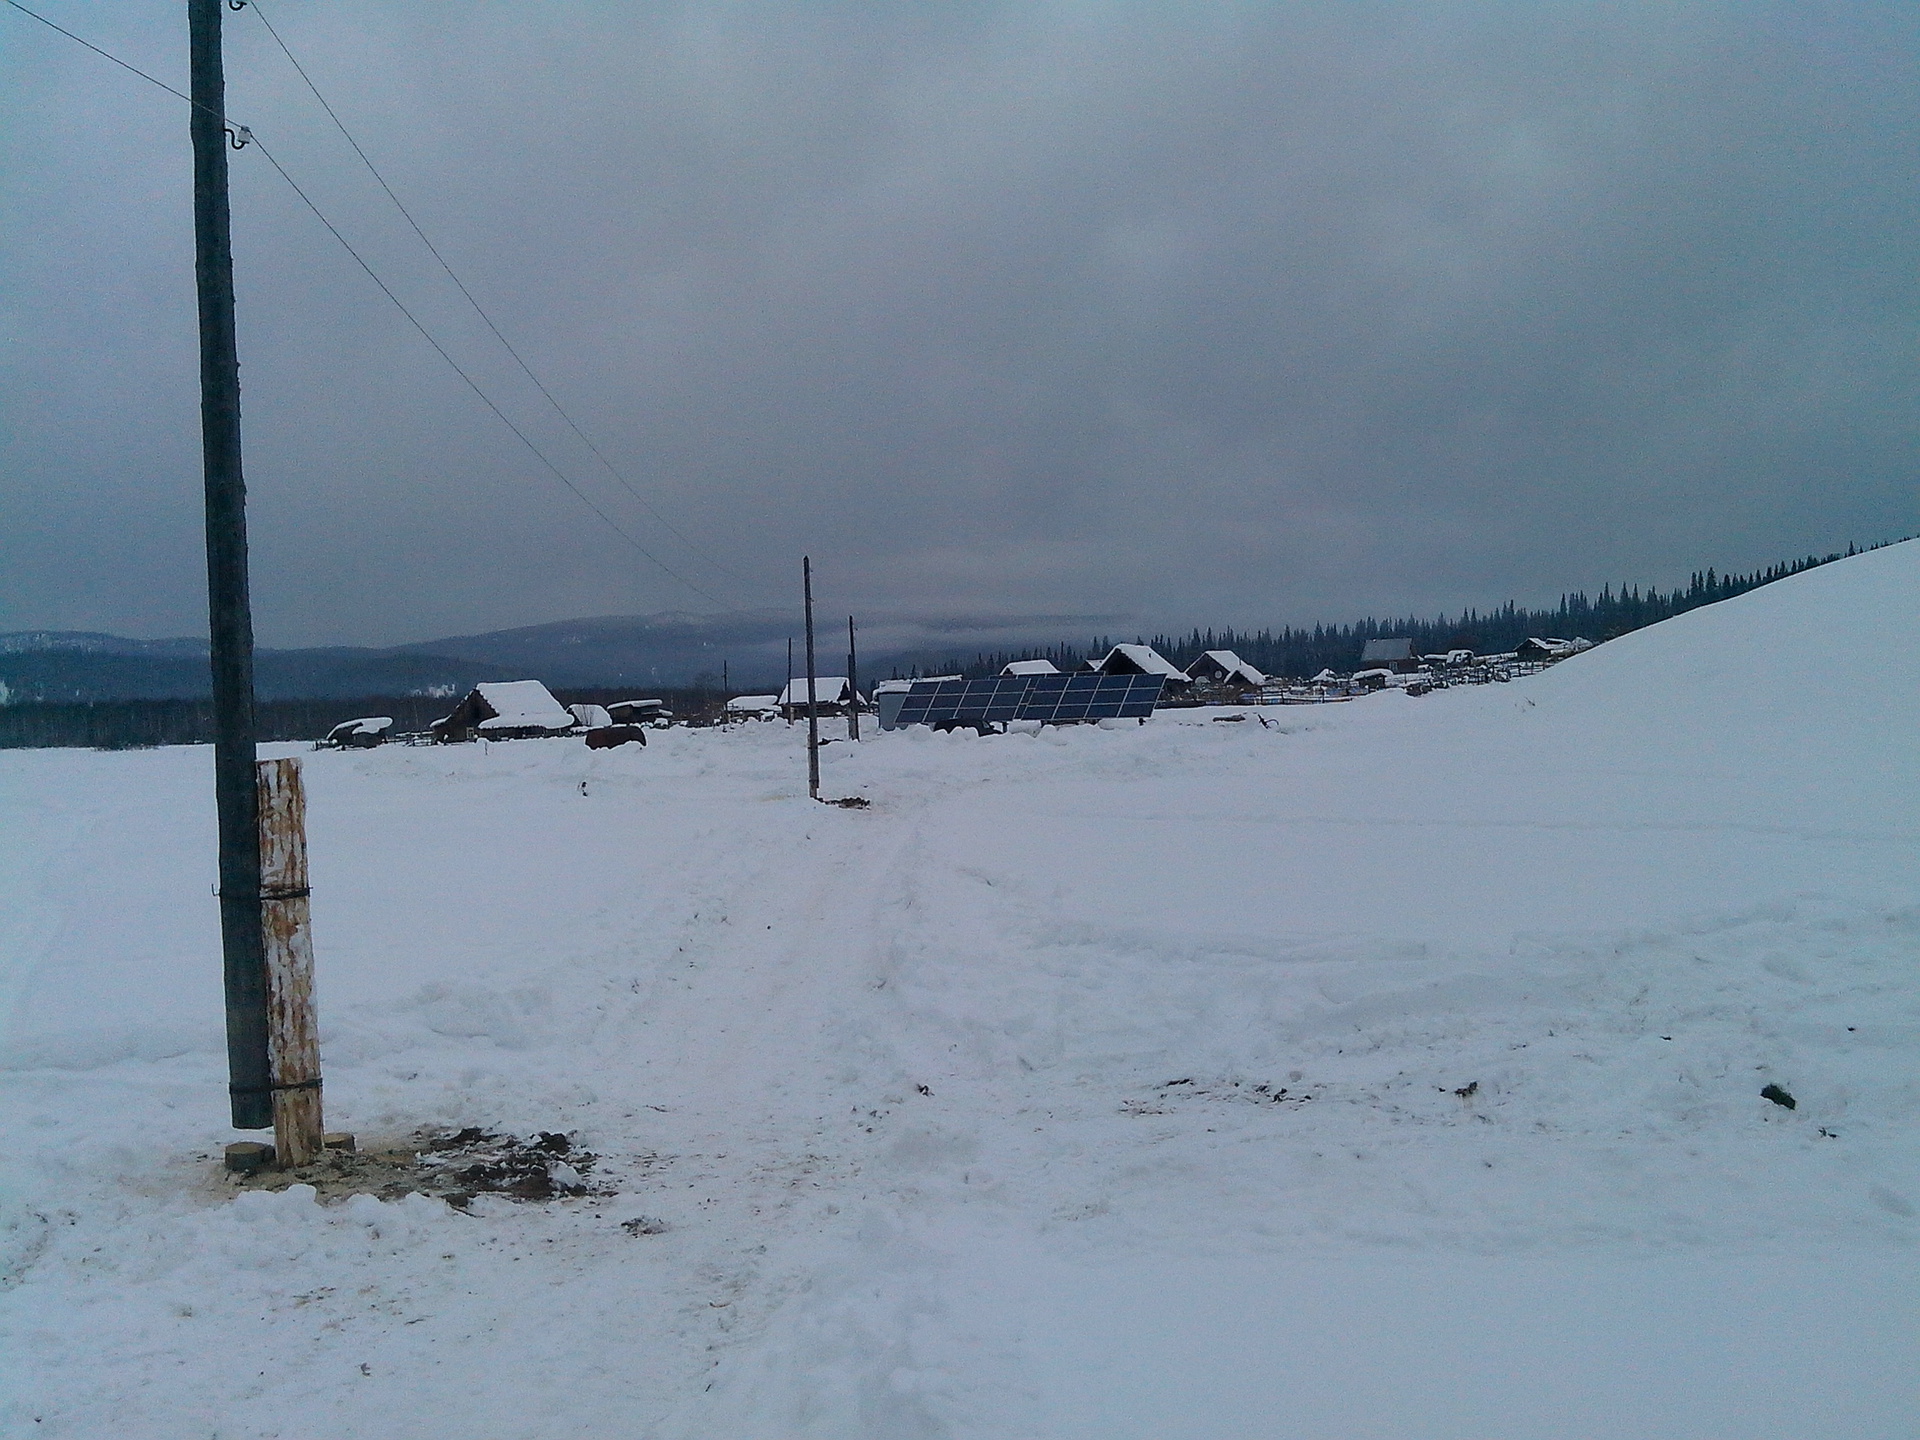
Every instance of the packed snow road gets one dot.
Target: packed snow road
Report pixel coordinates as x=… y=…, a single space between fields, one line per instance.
x=1382 y=1069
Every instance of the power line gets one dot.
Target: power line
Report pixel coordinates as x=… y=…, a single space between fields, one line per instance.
x=243 y=136
x=474 y=385
x=105 y=56
x=478 y=309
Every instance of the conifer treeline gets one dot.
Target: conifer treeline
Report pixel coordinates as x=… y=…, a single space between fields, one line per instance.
x=1301 y=652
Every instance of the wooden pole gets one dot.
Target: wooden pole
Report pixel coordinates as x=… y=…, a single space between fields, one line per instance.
x=789 y=690
x=229 y=611
x=853 y=684
x=813 y=699
x=293 y=1034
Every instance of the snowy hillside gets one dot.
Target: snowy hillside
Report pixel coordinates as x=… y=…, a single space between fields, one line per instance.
x=1385 y=1069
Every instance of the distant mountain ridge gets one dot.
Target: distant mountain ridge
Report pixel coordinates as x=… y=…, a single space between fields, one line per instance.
x=93 y=642
x=662 y=651
x=676 y=649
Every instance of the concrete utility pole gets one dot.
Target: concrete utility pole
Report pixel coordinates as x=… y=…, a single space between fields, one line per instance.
x=229 y=611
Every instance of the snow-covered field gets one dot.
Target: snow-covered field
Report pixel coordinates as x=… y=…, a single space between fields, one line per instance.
x=1382 y=1070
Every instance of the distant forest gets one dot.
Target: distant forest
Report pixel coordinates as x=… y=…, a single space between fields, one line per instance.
x=1299 y=653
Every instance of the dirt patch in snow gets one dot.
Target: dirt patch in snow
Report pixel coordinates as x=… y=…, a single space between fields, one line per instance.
x=452 y=1165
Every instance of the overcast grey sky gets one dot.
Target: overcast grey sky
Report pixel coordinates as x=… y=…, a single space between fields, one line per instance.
x=1193 y=313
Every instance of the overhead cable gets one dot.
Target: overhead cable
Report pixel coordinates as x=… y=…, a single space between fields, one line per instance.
x=241 y=136
x=474 y=385
x=478 y=309
x=105 y=56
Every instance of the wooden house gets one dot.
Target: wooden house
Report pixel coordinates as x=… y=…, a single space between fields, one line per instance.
x=505 y=710
x=832 y=695
x=1223 y=670
x=1390 y=654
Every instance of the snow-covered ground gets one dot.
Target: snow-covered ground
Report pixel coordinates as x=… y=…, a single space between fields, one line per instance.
x=1386 y=1069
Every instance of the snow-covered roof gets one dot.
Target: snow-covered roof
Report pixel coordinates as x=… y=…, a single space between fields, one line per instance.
x=1231 y=666
x=1325 y=677
x=366 y=725
x=753 y=704
x=1138 y=659
x=522 y=705
x=1030 y=667
x=827 y=690
x=591 y=716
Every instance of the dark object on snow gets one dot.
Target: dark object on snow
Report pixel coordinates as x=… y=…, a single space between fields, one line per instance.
x=1778 y=1096
x=249 y=1157
x=849 y=802
x=645 y=1225
x=1469 y=1090
x=547 y=1166
x=608 y=736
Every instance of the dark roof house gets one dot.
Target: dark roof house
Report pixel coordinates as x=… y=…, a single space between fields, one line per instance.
x=1139 y=660
x=1224 y=669
x=1394 y=654
x=505 y=710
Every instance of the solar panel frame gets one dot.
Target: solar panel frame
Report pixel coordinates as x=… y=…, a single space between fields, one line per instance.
x=1049 y=699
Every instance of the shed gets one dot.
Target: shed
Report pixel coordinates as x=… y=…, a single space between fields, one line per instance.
x=1030 y=667
x=753 y=707
x=361 y=734
x=505 y=710
x=632 y=712
x=1225 y=669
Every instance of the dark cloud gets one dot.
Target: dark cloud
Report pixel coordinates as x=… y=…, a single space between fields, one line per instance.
x=1224 y=314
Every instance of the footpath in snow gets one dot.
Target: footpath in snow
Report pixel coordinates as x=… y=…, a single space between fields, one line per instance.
x=1384 y=1069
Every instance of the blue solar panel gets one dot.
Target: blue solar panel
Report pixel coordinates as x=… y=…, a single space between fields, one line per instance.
x=1050 y=699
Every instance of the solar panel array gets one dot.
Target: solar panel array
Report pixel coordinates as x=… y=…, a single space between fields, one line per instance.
x=1050 y=699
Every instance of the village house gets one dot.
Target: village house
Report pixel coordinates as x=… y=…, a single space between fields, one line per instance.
x=1389 y=654
x=753 y=707
x=505 y=710
x=830 y=696
x=1139 y=660
x=1224 y=670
